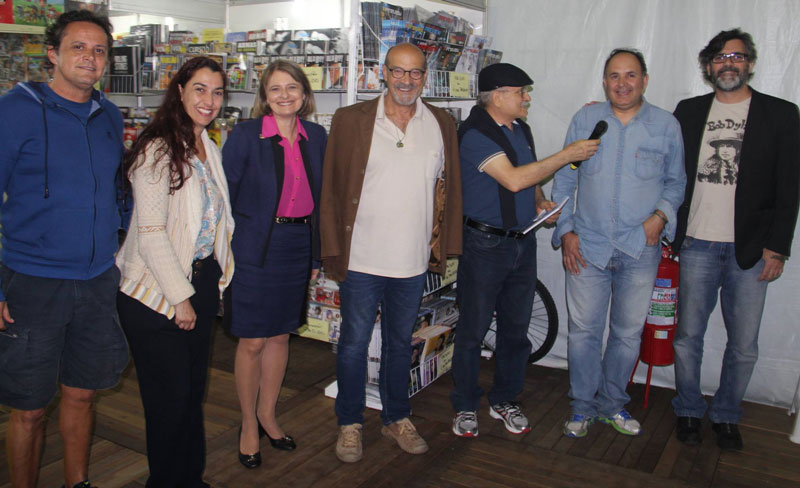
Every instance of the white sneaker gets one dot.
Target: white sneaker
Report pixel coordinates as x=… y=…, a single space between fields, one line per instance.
x=577 y=425
x=513 y=418
x=465 y=424
x=623 y=423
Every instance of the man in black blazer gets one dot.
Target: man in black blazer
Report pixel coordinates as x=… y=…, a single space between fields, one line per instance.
x=734 y=233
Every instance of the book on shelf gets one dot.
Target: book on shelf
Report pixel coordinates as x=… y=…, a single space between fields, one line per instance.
x=223 y=47
x=141 y=40
x=468 y=61
x=434 y=32
x=335 y=69
x=391 y=29
x=165 y=68
x=447 y=57
x=181 y=37
x=479 y=42
x=156 y=32
x=282 y=35
x=260 y=63
x=369 y=76
x=314 y=47
x=124 y=69
x=337 y=39
x=488 y=57
x=444 y=20
x=411 y=30
x=429 y=48
x=289 y=48
x=36 y=70
x=457 y=38
x=234 y=37
x=389 y=11
x=197 y=48
x=258 y=48
x=265 y=35
x=237 y=69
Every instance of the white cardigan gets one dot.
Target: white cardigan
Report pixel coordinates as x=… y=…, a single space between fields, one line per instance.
x=156 y=258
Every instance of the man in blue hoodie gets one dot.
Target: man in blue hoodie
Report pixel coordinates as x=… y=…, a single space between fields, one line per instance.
x=60 y=151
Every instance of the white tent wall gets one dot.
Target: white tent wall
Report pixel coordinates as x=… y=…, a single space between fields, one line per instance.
x=563 y=45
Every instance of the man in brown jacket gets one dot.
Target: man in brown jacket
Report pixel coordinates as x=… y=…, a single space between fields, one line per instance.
x=390 y=210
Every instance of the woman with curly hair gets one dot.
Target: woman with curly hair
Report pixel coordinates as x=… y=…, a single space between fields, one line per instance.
x=175 y=263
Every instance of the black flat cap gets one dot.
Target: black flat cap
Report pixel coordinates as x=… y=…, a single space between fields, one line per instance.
x=502 y=74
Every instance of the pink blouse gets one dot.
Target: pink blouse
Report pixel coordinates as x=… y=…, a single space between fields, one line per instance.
x=296 y=198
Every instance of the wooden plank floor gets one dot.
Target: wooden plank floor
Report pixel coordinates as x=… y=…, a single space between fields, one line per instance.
x=542 y=458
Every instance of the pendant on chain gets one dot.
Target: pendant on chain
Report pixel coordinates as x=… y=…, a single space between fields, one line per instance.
x=400 y=144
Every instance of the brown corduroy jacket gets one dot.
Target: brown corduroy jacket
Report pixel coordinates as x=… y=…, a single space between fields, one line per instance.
x=343 y=177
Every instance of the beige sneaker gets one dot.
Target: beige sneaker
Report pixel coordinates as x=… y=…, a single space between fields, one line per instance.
x=406 y=435
x=348 y=446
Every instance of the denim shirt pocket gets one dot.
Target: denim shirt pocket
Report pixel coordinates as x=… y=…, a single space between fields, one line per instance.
x=649 y=163
x=593 y=164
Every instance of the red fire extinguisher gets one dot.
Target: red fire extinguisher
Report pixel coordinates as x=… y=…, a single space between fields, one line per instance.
x=662 y=319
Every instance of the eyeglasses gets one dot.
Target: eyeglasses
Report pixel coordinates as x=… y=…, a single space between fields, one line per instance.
x=517 y=91
x=415 y=74
x=733 y=57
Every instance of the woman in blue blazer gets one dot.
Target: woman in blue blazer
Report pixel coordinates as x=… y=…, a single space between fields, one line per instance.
x=274 y=169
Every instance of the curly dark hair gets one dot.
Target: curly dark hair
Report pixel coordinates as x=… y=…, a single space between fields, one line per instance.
x=716 y=45
x=55 y=33
x=172 y=128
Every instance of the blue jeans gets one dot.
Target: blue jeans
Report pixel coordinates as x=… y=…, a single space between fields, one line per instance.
x=399 y=300
x=706 y=269
x=494 y=274
x=598 y=381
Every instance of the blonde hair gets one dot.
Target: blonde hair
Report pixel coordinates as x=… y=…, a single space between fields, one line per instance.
x=261 y=107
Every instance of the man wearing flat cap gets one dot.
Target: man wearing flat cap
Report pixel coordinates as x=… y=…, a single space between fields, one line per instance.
x=626 y=199
x=497 y=270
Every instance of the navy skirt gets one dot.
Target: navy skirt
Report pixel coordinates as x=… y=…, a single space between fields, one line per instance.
x=270 y=300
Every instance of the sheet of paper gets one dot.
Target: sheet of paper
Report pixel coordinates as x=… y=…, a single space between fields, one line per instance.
x=539 y=219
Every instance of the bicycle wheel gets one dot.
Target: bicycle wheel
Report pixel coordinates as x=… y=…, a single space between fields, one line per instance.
x=542 y=329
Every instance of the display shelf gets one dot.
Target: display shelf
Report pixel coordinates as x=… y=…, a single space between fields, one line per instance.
x=21 y=29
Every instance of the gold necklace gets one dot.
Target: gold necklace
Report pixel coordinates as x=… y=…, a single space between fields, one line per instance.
x=399 y=139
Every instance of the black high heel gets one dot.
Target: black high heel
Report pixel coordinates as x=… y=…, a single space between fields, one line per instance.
x=285 y=443
x=250 y=461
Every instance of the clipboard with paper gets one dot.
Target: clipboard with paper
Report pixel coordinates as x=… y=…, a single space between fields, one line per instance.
x=539 y=219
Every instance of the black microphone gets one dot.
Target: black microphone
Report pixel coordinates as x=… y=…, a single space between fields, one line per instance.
x=598 y=131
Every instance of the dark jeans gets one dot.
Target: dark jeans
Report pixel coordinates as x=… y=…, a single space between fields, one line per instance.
x=399 y=299
x=494 y=274
x=172 y=368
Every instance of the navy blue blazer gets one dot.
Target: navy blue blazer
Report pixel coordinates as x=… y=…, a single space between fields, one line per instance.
x=767 y=188
x=254 y=169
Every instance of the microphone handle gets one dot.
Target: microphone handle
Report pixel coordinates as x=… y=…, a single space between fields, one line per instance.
x=596 y=133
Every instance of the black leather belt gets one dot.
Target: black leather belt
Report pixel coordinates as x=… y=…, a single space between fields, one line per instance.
x=291 y=220
x=492 y=230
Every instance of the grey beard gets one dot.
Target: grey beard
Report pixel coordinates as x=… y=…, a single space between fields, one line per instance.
x=729 y=85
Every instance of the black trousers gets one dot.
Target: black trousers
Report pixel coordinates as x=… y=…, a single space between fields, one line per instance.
x=172 y=368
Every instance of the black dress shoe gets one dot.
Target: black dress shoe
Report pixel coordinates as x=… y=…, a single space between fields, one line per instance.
x=249 y=461
x=285 y=443
x=688 y=430
x=728 y=436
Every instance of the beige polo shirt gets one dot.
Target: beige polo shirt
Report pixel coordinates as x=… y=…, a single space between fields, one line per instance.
x=394 y=221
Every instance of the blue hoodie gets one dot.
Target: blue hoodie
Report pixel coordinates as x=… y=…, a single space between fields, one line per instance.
x=59 y=164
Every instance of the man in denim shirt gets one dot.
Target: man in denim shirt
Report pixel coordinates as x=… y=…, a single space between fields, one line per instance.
x=627 y=197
